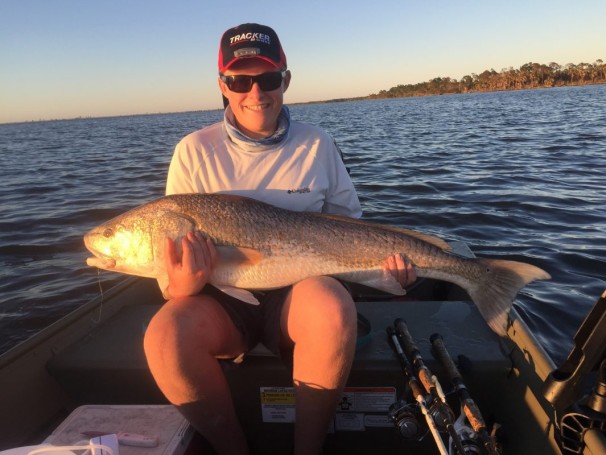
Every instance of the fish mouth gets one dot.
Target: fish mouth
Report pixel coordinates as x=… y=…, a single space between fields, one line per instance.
x=98 y=260
x=101 y=263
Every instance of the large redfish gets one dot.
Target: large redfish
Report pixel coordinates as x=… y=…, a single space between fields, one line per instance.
x=263 y=247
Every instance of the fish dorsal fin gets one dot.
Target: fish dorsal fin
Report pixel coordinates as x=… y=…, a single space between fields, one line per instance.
x=239 y=256
x=431 y=239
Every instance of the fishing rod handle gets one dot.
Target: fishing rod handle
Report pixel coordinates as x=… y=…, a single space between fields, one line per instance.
x=407 y=369
x=416 y=389
x=445 y=412
x=473 y=414
x=409 y=343
x=440 y=351
x=470 y=408
x=469 y=405
x=412 y=350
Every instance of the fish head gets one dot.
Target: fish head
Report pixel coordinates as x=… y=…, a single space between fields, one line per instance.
x=134 y=243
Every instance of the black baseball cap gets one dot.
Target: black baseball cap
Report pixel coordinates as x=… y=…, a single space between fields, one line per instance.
x=250 y=41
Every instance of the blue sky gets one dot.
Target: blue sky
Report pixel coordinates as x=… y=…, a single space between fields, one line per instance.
x=70 y=58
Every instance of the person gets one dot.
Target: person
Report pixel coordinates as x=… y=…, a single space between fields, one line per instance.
x=259 y=152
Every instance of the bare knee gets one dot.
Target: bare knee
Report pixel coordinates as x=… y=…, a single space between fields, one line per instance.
x=191 y=326
x=320 y=307
x=171 y=327
x=182 y=344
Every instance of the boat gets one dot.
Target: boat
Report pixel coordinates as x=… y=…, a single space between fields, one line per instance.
x=93 y=357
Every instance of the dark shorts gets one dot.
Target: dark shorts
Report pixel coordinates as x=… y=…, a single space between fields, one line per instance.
x=257 y=323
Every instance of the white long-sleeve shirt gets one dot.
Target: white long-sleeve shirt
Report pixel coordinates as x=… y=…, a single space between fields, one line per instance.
x=304 y=172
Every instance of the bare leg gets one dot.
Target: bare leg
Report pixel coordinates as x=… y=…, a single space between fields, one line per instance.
x=182 y=344
x=319 y=319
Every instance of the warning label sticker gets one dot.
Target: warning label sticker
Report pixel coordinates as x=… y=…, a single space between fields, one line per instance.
x=359 y=407
x=278 y=404
x=350 y=421
x=367 y=399
x=377 y=421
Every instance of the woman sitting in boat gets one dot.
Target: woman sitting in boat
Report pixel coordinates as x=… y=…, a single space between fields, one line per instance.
x=257 y=151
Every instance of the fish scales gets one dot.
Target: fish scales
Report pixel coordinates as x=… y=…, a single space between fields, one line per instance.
x=226 y=222
x=352 y=243
x=262 y=247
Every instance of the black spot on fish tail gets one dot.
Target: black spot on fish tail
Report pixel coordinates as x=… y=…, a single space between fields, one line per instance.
x=495 y=292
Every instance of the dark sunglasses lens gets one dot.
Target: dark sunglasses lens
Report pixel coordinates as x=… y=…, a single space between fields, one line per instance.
x=269 y=81
x=243 y=84
x=239 y=84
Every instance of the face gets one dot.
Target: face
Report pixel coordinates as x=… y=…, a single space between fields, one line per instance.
x=257 y=111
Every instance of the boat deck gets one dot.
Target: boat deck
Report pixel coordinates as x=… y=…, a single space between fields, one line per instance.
x=94 y=370
x=95 y=357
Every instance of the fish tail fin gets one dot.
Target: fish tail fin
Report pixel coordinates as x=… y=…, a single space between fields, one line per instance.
x=494 y=294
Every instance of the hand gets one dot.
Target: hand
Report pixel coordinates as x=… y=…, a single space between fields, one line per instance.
x=189 y=272
x=401 y=268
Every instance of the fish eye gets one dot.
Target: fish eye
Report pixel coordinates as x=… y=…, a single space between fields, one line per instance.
x=108 y=233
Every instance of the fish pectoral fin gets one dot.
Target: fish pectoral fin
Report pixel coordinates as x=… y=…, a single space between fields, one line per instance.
x=382 y=280
x=171 y=222
x=239 y=256
x=392 y=286
x=237 y=293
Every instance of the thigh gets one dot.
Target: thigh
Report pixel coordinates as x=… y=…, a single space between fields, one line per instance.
x=316 y=307
x=195 y=324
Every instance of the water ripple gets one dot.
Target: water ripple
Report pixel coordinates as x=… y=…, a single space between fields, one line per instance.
x=516 y=175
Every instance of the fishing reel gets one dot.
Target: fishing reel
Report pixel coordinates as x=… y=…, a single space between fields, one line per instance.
x=469 y=439
x=405 y=418
x=471 y=447
x=441 y=415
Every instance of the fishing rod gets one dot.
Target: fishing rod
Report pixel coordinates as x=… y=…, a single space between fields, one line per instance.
x=417 y=390
x=441 y=411
x=469 y=406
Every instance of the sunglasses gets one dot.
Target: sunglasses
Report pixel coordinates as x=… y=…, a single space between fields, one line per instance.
x=242 y=83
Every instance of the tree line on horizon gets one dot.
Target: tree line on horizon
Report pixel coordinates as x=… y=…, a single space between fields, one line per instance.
x=528 y=76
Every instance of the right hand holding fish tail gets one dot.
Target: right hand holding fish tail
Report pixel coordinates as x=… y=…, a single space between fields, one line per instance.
x=189 y=268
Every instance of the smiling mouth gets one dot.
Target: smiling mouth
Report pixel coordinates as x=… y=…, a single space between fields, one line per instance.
x=257 y=107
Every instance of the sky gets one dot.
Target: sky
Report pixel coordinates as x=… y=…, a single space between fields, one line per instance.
x=95 y=58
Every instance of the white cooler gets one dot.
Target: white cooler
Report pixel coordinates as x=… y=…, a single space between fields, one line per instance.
x=162 y=421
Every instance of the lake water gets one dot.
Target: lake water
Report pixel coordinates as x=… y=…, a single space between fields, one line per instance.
x=515 y=175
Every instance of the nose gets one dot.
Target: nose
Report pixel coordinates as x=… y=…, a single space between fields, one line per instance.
x=256 y=89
